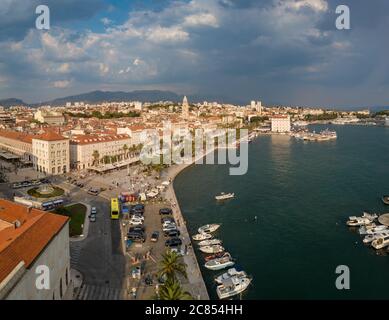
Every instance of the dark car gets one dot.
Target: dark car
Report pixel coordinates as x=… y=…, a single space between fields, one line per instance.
x=137 y=229
x=93 y=192
x=165 y=211
x=173 y=242
x=165 y=219
x=137 y=209
x=154 y=236
x=172 y=233
x=136 y=236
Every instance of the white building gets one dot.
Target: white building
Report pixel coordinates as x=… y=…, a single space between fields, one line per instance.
x=49 y=117
x=280 y=123
x=33 y=243
x=51 y=153
x=185 y=108
x=87 y=150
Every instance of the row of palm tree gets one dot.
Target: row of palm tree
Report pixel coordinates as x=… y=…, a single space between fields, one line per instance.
x=170 y=267
x=127 y=152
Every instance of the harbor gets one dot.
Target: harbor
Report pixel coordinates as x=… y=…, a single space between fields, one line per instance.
x=301 y=194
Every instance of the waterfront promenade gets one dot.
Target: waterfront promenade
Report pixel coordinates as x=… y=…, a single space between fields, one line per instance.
x=196 y=282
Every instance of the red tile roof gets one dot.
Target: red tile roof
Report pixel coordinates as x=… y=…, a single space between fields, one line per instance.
x=92 y=139
x=25 y=243
x=24 y=137
x=49 y=136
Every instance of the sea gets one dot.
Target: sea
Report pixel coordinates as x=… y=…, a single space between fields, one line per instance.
x=286 y=226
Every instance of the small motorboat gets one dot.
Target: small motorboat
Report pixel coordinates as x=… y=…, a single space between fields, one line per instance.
x=363 y=230
x=217 y=255
x=232 y=287
x=232 y=272
x=371 y=237
x=225 y=196
x=208 y=228
x=370 y=216
x=377 y=229
x=212 y=249
x=219 y=263
x=357 y=221
x=385 y=199
x=202 y=236
x=210 y=242
x=381 y=242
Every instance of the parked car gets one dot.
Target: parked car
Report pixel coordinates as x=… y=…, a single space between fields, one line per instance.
x=93 y=210
x=169 y=227
x=164 y=211
x=139 y=228
x=173 y=242
x=138 y=216
x=168 y=223
x=92 y=218
x=136 y=236
x=170 y=218
x=136 y=222
x=172 y=233
x=93 y=191
x=155 y=236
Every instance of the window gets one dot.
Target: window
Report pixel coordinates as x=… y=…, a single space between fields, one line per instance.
x=53 y=170
x=60 y=288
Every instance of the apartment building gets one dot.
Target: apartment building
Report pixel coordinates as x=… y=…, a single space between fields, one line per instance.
x=88 y=150
x=280 y=123
x=51 y=153
x=17 y=143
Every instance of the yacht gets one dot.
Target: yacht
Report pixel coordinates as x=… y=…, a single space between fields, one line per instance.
x=219 y=263
x=225 y=196
x=217 y=255
x=363 y=229
x=202 y=236
x=208 y=228
x=212 y=249
x=357 y=221
x=210 y=242
x=370 y=216
x=385 y=199
x=377 y=229
x=232 y=272
x=381 y=242
x=371 y=237
x=232 y=287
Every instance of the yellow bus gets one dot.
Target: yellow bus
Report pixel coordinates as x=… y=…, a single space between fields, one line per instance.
x=114 y=208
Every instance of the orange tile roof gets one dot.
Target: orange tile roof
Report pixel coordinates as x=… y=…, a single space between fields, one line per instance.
x=49 y=136
x=25 y=243
x=24 y=137
x=92 y=139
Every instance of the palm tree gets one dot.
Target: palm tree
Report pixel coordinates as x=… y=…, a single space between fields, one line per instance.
x=95 y=156
x=125 y=149
x=170 y=265
x=172 y=290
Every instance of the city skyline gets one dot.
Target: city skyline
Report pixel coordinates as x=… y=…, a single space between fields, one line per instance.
x=286 y=52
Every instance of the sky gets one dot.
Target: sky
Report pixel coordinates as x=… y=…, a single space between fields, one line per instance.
x=277 y=51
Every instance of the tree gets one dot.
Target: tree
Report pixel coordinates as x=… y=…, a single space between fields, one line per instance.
x=172 y=290
x=96 y=156
x=125 y=149
x=170 y=265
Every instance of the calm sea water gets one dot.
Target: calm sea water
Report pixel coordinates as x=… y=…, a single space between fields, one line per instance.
x=302 y=194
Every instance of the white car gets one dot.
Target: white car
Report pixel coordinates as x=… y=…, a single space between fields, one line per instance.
x=136 y=222
x=138 y=217
x=168 y=223
x=93 y=210
x=169 y=227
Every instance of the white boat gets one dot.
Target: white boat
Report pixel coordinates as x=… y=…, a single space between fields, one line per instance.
x=363 y=230
x=232 y=272
x=232 y=287
x=380 y=243
x=202 y=236
x=371 y=237
x=224 y=196
x=208 y=228
x=212 y=249
x=357 y=221
x=219 y=263
x=377 y=229
x=370 y=216
x=210 y=242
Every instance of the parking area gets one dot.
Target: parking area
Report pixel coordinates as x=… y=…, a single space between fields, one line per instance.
x=144 y=257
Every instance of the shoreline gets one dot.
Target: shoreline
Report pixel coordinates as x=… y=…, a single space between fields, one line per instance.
x=197 y=284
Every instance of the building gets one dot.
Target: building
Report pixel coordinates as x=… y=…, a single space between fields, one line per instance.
x=17 y=143
x=31 y=242
x=280 y=123
x=185 y=108
x=51 y=153
x=87 y=150
x=50 y=117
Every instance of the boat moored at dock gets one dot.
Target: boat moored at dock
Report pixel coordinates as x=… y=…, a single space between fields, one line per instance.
x=380 y=243
x=208 y=228
x=232 y=287
x=212 y=249
x=232 y=272
x=209 y=242
x=202 y=236
x=219 y=263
